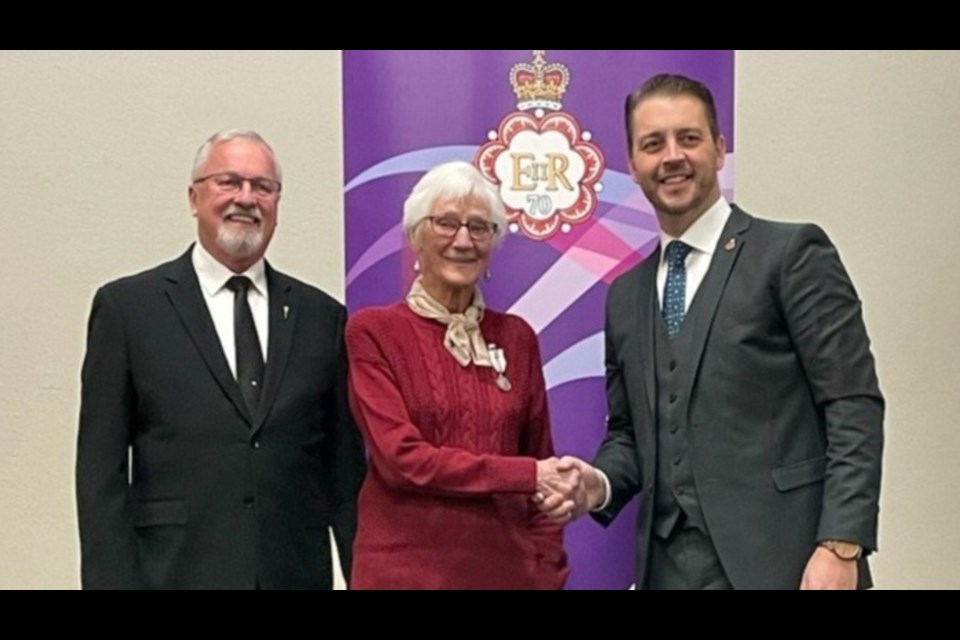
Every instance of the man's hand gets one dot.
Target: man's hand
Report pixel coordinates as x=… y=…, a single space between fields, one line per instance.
x=826 y=571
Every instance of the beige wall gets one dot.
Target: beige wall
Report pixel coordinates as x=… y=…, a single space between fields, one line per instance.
x=95 y=150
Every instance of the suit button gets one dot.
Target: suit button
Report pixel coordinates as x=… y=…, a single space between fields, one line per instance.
x=256 y=444
x=672 y=365
x=674 y=427
x=673 y=398
x=676 y=459
x=248 y=503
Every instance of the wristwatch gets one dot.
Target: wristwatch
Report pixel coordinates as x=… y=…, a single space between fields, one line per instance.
x=842 y=549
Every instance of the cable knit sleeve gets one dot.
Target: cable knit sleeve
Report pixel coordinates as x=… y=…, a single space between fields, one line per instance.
x=537 y=441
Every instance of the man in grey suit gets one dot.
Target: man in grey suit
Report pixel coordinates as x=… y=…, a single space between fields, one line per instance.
x=743 y=400
x=216 y=448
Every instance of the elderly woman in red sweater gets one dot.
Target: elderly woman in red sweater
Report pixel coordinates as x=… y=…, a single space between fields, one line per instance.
x=450 y=397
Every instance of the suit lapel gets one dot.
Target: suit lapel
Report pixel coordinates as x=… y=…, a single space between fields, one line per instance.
x=711 y=290
x=184 y=293
x=284 y=295
x=647 y=315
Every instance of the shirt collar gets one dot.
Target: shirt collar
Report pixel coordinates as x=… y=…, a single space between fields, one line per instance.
x=213 y=275
x=704 y=234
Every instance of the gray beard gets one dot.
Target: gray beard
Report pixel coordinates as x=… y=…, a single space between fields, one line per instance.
x=239 y=243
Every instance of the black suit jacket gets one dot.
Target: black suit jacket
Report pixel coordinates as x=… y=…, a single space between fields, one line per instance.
x=214 y=497
x=782 y=403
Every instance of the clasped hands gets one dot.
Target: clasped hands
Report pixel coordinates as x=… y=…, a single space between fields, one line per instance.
x=567 y=488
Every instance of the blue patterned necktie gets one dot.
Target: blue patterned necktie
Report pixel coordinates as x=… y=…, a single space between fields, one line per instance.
x=675 y=291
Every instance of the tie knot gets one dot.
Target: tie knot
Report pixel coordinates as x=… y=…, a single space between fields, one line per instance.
x=239 y=284
x=677 y=252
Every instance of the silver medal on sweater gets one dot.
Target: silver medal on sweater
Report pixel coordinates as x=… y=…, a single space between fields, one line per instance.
x=499 y=362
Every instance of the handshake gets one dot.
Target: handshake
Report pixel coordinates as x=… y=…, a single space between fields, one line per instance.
x=567 y=488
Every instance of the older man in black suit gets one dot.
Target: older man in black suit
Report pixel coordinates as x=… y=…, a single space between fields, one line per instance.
x=216 y=449
x=743 y=399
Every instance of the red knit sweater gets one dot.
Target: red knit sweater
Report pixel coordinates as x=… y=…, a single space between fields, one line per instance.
x=446 y=501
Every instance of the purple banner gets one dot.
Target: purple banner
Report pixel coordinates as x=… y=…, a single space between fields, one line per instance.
x=547 y=126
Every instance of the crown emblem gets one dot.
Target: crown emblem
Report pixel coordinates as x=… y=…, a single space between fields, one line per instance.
x=544 y=165
x=539 y=85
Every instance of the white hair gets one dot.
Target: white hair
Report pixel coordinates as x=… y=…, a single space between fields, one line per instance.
x=226 y=135
x=458 y=180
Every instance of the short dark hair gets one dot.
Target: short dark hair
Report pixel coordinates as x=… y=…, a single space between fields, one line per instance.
x=671 y=85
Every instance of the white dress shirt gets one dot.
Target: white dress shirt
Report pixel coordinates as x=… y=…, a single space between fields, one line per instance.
x=213 y=277
x=703 y=236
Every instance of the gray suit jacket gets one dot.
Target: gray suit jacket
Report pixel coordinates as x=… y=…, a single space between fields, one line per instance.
x=782 y=403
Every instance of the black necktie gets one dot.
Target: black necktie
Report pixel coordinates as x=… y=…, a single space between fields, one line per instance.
x=249 y=356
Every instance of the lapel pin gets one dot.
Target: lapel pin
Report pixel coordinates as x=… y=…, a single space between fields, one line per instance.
x=286 y=311
x=731 y=244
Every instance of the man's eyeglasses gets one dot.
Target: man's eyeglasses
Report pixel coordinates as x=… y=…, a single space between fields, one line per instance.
x=229 y=182
x=448 y=227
